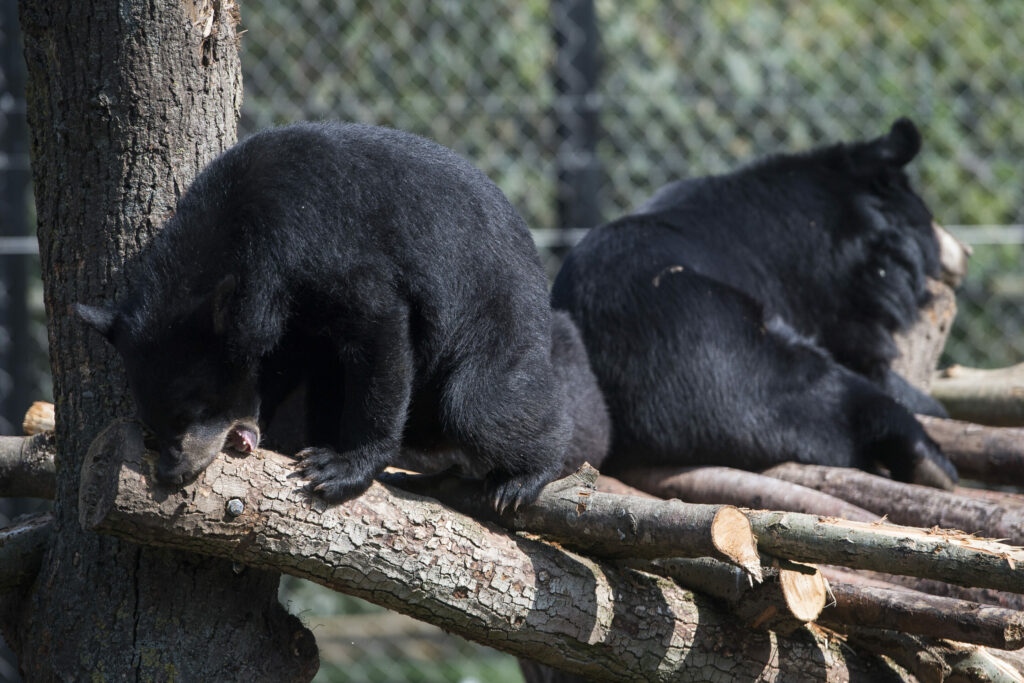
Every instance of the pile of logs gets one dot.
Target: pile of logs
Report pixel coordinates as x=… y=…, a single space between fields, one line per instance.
x=908 y=572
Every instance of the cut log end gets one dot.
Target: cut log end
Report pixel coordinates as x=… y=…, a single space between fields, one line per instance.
x=806 y=592
x=39 y=418
x=731 y=534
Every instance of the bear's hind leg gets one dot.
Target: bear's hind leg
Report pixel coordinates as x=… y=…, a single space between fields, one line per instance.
x=515 y=422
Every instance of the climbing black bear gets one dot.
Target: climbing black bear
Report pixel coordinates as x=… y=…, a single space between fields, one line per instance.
x=377 y=272
x=747 y=319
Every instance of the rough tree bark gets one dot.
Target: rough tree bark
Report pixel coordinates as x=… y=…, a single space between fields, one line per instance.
x=126 y=102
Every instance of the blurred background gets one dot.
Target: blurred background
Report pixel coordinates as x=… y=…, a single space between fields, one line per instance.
x=579 y=110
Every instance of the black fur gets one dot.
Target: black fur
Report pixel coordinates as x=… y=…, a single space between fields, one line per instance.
x=374 y=271
x=747 y=319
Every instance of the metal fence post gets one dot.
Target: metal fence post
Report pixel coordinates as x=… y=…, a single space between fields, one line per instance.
x=577 y=64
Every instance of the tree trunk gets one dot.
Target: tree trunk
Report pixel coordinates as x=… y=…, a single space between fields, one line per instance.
x=126 y=103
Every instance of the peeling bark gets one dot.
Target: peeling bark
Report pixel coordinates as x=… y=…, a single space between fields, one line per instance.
x=418 y=557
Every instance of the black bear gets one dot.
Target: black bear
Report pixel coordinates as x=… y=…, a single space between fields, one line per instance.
x=747 y=319
x=379 y=273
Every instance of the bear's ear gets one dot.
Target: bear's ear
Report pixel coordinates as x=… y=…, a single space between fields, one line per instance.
x=100 y=318
x=894 y=149
x=222 y=295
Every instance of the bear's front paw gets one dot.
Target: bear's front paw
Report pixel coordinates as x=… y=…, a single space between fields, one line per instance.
x=505 y=490
x=331 y=475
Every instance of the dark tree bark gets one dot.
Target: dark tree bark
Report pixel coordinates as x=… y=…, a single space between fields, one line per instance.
x=126 y=102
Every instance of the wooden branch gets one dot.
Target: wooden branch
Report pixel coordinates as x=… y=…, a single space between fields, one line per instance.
x=27 y=466
x=576 y=515
x=909 y=611
x=420 y=558
x=863 y=577
x=992 y=397
x=21 y=551
x=726 y=485
x=945 y=555
x=791 y=594
x=991 y=454
x=921 y=345
x=39 y=418
x=909 y=504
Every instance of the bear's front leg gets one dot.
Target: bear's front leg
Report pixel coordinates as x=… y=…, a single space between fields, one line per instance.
x=378 y=372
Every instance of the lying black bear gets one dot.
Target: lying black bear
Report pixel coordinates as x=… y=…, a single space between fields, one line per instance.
x=378 y=272
x=747 y=319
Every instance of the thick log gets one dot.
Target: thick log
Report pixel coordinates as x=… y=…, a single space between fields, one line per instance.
x=991 y=397
x=789 y=596
x=990 y=454
x=421 y=558
x=576 y=515
x=921 y=345
x=909 y=611
x=942 y=554
x=39 y=418
x=726 y=485
x=21 y=551
x=27 y=466
x=909 y=504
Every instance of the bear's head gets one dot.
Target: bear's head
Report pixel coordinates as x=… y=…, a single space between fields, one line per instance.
x=885 y=200
x=192 y=391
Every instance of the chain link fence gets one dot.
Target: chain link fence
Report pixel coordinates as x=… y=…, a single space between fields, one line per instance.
x=579 y=110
